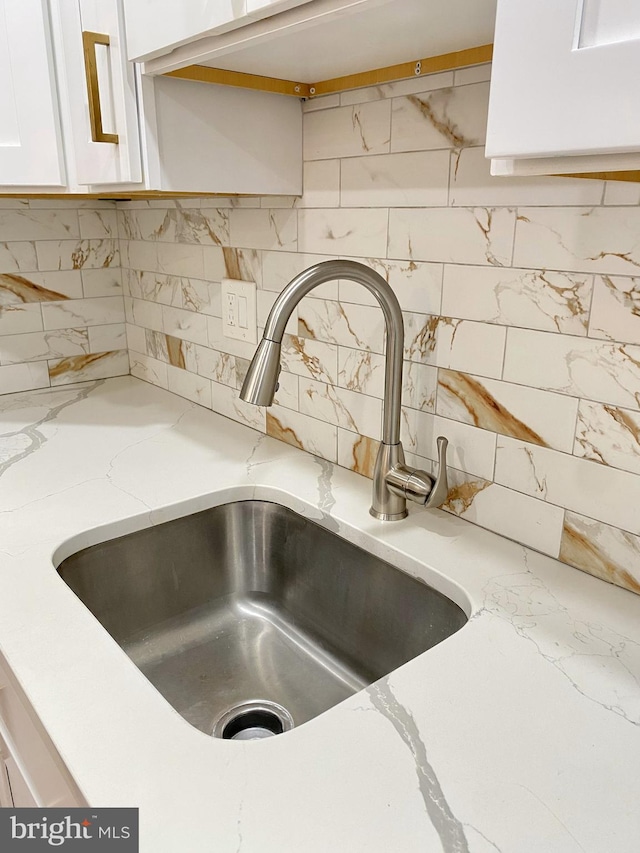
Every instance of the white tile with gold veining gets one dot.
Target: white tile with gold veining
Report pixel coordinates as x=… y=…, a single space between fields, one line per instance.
x=188 y=325
x=349 y=131
x=19 y=256
x=361 y=371
x=278 y=202
x=470 y=449
x=155 y=287
x=302 y=431
x=453 y=235
x=357 y=452
x=180 y=259
x=472 y=184
x=23 y=377
x=601 y=550
x=39 y=224
x=148 y=224
x=586 y=487
x=419 y=386
x=340 y=407
x=534 y=523
x=324 y=102
x=580 y=367
x=287 y=392
x=540 y=417
x=39 y=346
x=444 y=118
x=203 y=297
x=535 y=299
x=220 y=342
x=82 y=368
x=140 y=255
x=76 y=254
x=103 y=338
x=418 y=286
x=343 y=231
x=219 y=366
x=398 y=88
x=309 y=358
x=98 y=224
x=16 y=288
x=208 y=227
x=264 y=229
x=226 y=401
x=18 y=318
x=604 y=240
x=472 y=74
x=413 y=179
x=455 y=344
x=320 y=184
x=189 y=385
x=101 y=282
x=240 y=264
x=145 y=314
x=149 y=369
x=136 y=338
x=355 y=326
x=615 y=310
x=622 y=192
x=83 y=312
x=608 y=434
x=279 y=268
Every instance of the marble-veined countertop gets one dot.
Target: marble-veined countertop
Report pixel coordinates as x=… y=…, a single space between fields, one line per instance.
x=519 y=733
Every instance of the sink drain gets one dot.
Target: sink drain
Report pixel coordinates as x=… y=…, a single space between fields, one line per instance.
x=253 y=720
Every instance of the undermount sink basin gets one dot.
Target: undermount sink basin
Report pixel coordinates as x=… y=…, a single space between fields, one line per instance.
x=250 y=619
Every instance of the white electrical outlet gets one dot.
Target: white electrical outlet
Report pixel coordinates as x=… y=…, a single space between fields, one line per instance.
x=239 y=316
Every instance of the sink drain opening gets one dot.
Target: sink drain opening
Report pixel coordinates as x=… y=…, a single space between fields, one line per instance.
x=253 y=721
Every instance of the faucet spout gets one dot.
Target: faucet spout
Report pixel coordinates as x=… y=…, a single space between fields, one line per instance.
x=389 y=496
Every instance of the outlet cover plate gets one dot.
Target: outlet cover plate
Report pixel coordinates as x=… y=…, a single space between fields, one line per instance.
x=239 y=310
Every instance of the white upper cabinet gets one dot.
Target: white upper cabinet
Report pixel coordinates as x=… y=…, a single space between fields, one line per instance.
x=100 y=88
x=31 y=149
x=158 y=26
x=564 y=86
x=77 y=116
x=312 y=40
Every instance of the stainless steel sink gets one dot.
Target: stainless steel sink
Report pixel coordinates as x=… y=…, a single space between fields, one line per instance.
x=250 y=619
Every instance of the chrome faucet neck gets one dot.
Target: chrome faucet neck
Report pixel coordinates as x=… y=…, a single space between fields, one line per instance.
x=321 y=273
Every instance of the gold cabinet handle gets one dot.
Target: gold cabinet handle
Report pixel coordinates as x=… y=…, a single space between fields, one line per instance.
x=89 y=42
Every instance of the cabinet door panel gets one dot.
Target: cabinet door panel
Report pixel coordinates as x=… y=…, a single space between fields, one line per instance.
x=565 y=78
x=99 y=159
x=155 y=27
x=30 y=137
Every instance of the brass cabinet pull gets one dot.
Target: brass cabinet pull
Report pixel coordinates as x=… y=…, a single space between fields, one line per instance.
x=89 y=42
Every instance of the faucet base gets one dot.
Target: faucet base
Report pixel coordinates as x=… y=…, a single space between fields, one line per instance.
x=386 y=505
x=388 y=516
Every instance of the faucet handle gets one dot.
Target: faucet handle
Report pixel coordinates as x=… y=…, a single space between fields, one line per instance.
x=440 y=489
x=418 y=486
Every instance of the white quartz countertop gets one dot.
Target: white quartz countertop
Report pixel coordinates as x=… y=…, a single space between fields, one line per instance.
x=521 y=732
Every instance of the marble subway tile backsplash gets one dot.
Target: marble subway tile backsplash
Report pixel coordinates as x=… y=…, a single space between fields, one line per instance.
x=62 y=314
x=521 y=300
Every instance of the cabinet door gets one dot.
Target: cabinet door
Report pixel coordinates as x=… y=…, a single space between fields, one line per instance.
x=31 y=150
x=565 y=78
x=155 y=27
x=100 y=88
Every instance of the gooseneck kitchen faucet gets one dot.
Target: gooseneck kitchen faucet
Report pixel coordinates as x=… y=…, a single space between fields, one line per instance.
x=393 y=482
